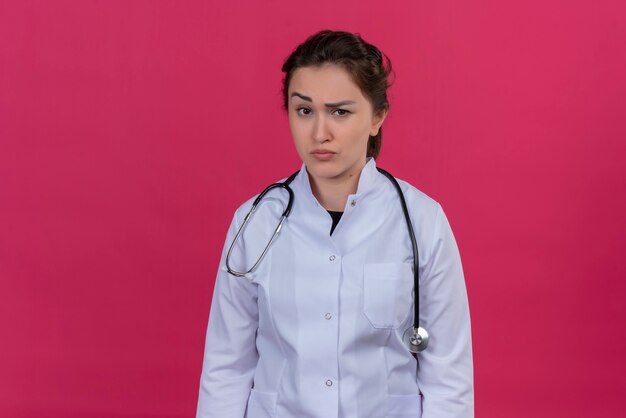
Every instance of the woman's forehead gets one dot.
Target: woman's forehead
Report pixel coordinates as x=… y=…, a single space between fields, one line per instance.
x=326 y=83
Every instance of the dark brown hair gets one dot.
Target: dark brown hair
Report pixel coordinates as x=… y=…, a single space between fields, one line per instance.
x=363 y=61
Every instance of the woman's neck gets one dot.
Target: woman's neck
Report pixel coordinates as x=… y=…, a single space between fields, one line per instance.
x=332 y=194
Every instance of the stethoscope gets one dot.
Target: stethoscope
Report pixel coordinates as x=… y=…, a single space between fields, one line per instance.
x=416 y=337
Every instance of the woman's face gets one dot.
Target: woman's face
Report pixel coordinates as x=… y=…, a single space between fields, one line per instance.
x=330 y=122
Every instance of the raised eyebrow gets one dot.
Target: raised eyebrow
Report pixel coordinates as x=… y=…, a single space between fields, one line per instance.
x=339 y=104
x=302 y=96
x=329 y=105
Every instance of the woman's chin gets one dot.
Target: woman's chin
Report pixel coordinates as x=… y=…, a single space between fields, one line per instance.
x=326 y=172
x=323 y=171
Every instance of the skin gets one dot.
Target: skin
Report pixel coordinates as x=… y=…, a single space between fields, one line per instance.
x=331 y=121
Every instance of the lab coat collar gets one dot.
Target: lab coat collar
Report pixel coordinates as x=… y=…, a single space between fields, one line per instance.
x=368 y=181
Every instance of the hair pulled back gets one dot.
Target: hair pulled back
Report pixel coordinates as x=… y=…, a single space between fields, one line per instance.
x=363 y=61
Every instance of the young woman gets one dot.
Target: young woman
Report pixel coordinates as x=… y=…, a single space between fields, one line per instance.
x=319 y=327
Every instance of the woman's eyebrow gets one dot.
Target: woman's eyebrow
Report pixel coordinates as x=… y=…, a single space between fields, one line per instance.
x=334 y=104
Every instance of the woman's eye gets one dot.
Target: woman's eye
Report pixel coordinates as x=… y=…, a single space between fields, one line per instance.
x=341 y=112
x=303 y=111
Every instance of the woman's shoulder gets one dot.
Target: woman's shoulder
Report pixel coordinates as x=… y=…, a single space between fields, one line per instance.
x=275 y=197
x=418 y=201
x=428 y=218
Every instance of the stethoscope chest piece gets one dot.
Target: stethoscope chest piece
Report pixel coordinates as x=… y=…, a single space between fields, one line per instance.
x=416 y=339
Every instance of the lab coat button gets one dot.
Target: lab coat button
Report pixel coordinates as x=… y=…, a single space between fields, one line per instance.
x=329 y=382
x=353 y=203
x=331 y=258
x=328 y=315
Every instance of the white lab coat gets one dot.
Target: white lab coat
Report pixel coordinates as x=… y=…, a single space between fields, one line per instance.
x=317 y=330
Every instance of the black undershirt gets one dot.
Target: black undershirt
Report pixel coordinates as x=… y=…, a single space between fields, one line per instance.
x=336 y=217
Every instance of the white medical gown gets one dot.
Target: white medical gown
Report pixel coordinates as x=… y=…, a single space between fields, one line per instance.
x=317 y=330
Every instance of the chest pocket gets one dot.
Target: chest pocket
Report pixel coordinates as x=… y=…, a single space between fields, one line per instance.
x=387 y=293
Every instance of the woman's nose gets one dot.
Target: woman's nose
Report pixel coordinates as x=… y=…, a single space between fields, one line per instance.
x=321 y=131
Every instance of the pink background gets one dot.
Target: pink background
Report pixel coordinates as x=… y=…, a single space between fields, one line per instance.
x=131 y=130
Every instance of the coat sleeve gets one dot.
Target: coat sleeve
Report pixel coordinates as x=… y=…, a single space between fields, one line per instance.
x=230 y=355
x=445 y=368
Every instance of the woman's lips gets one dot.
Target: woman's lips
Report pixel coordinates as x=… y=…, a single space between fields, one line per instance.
x=323 y=155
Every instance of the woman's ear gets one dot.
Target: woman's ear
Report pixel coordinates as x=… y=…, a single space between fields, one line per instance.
x=377 y=121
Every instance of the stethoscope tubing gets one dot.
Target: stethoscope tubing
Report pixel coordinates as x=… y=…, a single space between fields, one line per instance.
x=416 y=338
x=283 y=185
x=409 y=226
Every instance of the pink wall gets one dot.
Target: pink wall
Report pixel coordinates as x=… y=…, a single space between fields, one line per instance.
x=131 y=130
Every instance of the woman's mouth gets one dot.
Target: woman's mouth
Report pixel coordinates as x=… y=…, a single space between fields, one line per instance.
x=323 y=154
